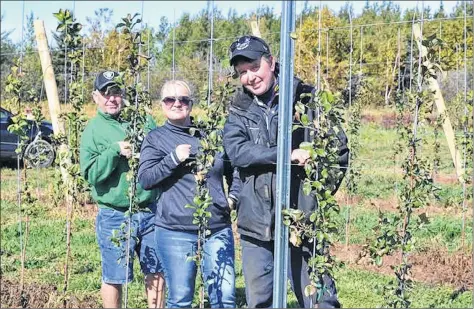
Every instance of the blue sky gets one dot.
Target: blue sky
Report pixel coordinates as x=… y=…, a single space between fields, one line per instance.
x=153 y=10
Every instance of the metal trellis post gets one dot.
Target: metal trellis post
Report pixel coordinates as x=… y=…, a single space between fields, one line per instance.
x=284 y=148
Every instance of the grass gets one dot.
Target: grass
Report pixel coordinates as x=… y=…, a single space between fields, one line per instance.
x=45 y=261
x=357 y=288
x=441 y=231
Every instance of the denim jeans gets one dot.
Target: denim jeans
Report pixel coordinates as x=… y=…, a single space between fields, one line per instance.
x=257 y=266
x=142 y=240
x=174 y=247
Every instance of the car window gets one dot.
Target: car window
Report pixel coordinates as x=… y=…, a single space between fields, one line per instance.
x=3 y=114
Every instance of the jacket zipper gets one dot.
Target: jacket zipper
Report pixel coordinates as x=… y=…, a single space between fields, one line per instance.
x=267 y=120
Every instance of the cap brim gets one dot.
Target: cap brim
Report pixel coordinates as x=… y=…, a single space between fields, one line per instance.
x=252 y=55
x=108 y=83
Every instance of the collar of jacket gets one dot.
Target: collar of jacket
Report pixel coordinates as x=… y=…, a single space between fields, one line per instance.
x=108 y=116
x=181 y=129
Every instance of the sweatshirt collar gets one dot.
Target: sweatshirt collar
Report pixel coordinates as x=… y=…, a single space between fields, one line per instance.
x=177 y=128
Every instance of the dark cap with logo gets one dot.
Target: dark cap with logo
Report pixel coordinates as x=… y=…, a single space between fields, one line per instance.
x=250 y=47
x=105 y=79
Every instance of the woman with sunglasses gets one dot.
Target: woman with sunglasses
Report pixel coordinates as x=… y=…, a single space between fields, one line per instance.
x=166 y=162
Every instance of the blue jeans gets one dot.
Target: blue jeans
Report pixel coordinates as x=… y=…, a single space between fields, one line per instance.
x=257 y=266
x=142 y=240
x=174 y=247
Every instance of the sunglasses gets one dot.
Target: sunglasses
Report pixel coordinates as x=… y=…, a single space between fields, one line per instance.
x=182 y=99
x=111 y=91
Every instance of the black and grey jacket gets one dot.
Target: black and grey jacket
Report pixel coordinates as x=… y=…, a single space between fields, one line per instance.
x=160 y=168
x=250 y=140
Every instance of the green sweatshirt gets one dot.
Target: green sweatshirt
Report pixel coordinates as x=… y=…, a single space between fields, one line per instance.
x=103 y=166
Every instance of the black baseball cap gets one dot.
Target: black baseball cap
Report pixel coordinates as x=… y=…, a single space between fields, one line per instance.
x=248 y=46
x=105 y=79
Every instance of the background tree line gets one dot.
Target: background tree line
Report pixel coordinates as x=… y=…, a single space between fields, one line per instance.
x=378 y=49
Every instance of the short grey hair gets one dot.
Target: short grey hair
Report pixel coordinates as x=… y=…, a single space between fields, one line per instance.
x=177 y=82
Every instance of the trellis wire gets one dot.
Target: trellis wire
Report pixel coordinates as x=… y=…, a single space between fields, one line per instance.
x=83 y=66
x=464 y=185
x=472 y=176
x=18 y=173
x=148 y=62
x=420 y=86
x=398 y=89
x=349 y=161
x=269 y=33
x=440 y=37
x=119 y=52
x=457 y=68
x=361 y=48
x=301 y=38
x=411 y=46
x=210 y=75
x=174 y=42
x=390 y=23
x=330 y=66
x=318 y=70
x=399 y=50
x=327 y=55
x=65 y=69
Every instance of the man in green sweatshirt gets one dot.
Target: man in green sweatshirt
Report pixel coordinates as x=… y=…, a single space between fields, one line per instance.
x=104 y=163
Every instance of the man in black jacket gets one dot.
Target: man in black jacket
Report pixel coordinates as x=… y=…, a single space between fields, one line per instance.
x=250 y=140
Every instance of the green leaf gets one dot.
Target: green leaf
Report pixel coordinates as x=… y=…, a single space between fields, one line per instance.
x=378 y=261
x=307 y=188
x=309 y=290
x=306 y=146
x=305 y=119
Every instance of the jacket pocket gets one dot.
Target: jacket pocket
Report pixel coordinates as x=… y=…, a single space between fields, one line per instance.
x=253 y=211
x=262 y=188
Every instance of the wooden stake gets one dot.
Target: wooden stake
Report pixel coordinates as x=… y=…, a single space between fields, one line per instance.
x=48 y=76
x=439 y=101
x=51 y=89
x=255 y=29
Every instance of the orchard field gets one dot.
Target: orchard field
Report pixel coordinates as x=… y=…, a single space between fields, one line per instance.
x=442 y=268
x=400 y=227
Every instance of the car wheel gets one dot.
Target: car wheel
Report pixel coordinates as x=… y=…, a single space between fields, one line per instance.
x=40 y=153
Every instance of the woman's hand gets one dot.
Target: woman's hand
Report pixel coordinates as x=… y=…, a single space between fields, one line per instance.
x=183 y=151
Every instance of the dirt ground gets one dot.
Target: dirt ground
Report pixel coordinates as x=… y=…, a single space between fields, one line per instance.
x=388 y=120
x=39 y=296
x=389 y=204
x=435 y=266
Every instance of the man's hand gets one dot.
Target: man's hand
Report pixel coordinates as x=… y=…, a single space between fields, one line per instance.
x=125 y=149
x=299 y=156
x=183 y=151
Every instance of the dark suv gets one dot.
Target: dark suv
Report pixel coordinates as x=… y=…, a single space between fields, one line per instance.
x=39 y=151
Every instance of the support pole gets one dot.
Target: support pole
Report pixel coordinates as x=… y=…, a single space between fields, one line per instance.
x=283 y=171
x=49 y=78
x=51 y=93
x=255 y=29
x=439 y=101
